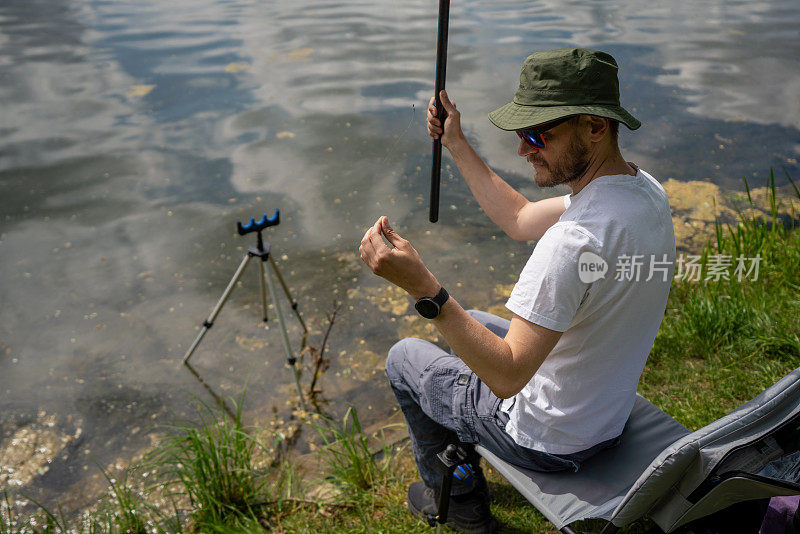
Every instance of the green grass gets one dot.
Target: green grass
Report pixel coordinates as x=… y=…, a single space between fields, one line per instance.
x=351 y=463
x=212 y=463
x=368 y=477
x=723 y=342
x=359 y=508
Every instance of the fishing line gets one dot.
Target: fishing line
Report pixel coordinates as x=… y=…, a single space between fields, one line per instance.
x=399 y=17
x=402 y=134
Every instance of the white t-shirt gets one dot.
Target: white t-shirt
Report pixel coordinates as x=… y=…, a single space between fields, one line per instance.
x=584 y=391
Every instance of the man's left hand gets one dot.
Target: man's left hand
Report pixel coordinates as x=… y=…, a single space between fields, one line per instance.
x=400 y=264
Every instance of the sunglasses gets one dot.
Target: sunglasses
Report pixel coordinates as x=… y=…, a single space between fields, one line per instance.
x=533 y=136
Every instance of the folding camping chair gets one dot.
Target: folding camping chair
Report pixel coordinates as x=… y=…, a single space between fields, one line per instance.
x=673 y=476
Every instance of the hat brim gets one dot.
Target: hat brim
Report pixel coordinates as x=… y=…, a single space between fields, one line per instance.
x=514 y=116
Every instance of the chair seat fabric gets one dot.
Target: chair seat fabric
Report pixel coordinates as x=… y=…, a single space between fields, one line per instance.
x=602 y=481
x=662 y=470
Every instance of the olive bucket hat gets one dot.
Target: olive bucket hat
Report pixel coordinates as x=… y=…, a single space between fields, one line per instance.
x=558 y=83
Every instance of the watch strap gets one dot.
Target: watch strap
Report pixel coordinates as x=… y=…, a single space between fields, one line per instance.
x=441 y=297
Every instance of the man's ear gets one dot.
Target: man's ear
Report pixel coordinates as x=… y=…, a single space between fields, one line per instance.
x=597 y=127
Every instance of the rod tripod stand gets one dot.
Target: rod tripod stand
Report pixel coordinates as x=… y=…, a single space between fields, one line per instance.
x=261 y=251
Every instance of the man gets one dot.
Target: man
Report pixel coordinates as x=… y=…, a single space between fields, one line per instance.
x=556 y=384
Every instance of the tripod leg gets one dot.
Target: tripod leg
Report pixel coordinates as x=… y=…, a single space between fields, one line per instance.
x=289 y=356
x=208 y=323
x=288 y=295
x=263 y=290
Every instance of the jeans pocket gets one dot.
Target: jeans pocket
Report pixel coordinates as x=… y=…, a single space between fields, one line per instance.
x=463 y=407
x=442 y=399
x=486 y=403
x=435 y=384
x=501 y=417
x=488 y=410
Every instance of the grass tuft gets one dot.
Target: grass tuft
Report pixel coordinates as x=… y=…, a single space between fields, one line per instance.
x=124 y=514
x=349 y=458
x=212 y=463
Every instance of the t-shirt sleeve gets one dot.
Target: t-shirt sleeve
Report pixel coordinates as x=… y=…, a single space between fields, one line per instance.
x=550 y=288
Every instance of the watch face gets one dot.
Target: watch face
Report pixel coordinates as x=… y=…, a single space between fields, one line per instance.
x=427 y=308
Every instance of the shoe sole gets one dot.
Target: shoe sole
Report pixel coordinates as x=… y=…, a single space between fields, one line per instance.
x=481 y=528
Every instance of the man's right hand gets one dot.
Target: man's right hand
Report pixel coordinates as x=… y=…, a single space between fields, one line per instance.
x=452 y=123
x=513 y=213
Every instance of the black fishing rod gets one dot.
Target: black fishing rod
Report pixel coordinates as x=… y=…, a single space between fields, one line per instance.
x=441 y=66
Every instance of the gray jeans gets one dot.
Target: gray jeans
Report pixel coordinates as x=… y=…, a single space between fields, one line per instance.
x=444 y=402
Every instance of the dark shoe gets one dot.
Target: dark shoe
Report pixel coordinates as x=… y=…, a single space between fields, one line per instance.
x=467 y=513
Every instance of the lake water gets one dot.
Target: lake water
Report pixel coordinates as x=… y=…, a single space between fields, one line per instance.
x=135 y=134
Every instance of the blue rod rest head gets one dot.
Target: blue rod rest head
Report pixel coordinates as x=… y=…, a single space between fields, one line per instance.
x=254 y=226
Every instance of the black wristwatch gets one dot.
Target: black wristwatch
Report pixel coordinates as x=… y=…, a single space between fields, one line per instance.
x=429 y=307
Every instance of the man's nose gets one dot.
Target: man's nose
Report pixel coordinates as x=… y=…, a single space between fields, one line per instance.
x=525 y=149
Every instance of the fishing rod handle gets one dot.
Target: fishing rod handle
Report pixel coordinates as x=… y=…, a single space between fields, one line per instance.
x=436 y=170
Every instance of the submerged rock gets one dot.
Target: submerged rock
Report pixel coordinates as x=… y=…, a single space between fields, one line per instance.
x=696 y=206
x=365 y=364
x=30 y=450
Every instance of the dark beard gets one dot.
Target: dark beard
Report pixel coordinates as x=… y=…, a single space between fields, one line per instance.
x=568 y=168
